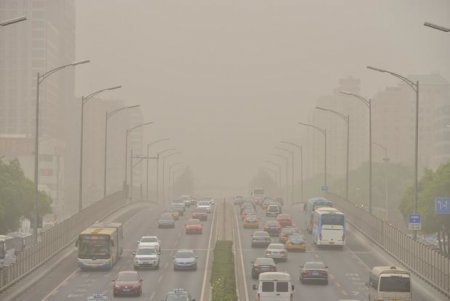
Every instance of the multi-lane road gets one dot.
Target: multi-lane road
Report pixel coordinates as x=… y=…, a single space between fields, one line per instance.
x=348 y=268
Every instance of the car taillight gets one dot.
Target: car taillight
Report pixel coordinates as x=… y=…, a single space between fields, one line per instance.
x=268 y=253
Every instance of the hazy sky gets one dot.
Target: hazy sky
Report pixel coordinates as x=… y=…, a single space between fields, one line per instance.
x=228 y=79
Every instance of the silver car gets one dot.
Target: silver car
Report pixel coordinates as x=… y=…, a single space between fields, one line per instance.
x=185 y=260
x=146 y=257
x=260 y=239
x=277 y=251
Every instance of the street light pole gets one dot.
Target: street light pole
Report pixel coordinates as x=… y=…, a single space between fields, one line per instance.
x=157 y=170
x=12 y=21
x=324 y=133
x=128 y=131
x=300 y=153
x=386 y=161
x=287 y=173
x=148 y=155
x=368 y=103
x=39 y=79
x=346 y=118
x=279 y=171
x=84 y=100
x=438 y=27
x=107 y=116
x=164 y=174
x=415 y=87
x=170 y=193
x=291 y=153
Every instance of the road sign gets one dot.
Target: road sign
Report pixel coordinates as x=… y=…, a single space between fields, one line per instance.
x=414 y=222
x=442 y=205
x=324 y=188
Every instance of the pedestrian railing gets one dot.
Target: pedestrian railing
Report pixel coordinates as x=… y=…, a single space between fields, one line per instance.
x=57 y=238
x=426 y=262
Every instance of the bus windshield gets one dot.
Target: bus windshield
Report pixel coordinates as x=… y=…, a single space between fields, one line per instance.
x=90 y=248
x=333 y=219
x=395 y=284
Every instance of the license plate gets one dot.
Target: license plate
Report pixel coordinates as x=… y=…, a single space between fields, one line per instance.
x=331 y=242
x=315 y=273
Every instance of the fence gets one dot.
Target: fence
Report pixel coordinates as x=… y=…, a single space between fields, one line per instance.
x=58 y=237
x=427 y=263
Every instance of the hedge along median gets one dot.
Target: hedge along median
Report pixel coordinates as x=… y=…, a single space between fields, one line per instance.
x=223 y=280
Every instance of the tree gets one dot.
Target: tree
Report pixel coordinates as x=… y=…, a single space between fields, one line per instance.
x=265 y=181
x=184 y=184
x=17 y=197
x=432 y=184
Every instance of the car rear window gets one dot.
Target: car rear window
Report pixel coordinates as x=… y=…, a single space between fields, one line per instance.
x=282 y=287
x=268 y=286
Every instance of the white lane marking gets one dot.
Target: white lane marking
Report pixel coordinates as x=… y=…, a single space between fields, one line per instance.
x=241 y=255
x=207 y=257
x=60 y=285
x=152 y=296
x=160 y=278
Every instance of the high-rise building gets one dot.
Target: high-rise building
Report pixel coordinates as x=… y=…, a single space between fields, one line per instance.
x=44 y=41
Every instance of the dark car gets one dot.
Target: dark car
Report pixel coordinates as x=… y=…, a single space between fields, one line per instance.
x=260 y=239
x=314 y=271
x=127 y=283
x=166 y=220
x=261 y=265
x=185 y=260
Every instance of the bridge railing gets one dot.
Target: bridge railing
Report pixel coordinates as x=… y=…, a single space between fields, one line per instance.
x=421 y=259
x=58 y=237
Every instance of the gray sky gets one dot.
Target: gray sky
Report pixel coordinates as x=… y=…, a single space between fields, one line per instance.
x=226 y=80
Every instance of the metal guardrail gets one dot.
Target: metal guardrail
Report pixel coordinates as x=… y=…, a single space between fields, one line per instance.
x=425 y=262
x=57 y=238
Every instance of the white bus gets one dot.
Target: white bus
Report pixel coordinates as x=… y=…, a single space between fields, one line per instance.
x=311 y=205
x=389 y=283
x=328 y=227
x=100 y=246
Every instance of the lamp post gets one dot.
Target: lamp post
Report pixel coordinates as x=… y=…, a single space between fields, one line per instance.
x=272 y=172
x=12 y=21
x=346 y=118
x=148 y=155
x=39 y=79
x=278 y=166
x=128 y=131
x=415 y=87
x=164 y=174
x=324 y=133
x=386 y=195
x=84 y=100
x=438 y=27
x=170 y=193
x=300 y=153
x=291 y=153
x=157 y=170
x=173 y=178
x=368 y=103
x=107 y=116
x=287 y=172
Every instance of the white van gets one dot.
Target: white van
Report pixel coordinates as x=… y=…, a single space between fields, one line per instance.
x=389 y=283
x=274 y=286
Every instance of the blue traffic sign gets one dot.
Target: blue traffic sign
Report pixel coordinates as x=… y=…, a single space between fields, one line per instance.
x=414 y=218
x=442 y=205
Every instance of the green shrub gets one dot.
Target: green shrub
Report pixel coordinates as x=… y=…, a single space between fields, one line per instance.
x=223 y=280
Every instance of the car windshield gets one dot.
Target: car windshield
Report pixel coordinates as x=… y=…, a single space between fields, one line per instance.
x=166 y=217
x=193 y=222
x=177 y=297
x=185 y=254
x=146 y=251
x=276 y=247
x=149 y=239
x=264 y=261
x=314 y=265
x=127 y=277
x=260 y=234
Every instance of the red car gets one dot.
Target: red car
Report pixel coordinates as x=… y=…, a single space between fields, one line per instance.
x=284 y=219
x=127 y=283
x=193 y=226
x=200 y=213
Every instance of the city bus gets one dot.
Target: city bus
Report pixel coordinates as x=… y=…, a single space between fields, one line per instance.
x=389 y=283
x=100 y=246
x=328 y=227
x=311 y=205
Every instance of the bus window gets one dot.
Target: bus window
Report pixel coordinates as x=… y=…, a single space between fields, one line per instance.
x=282 y=287
x=395 y=284
x=268 y=286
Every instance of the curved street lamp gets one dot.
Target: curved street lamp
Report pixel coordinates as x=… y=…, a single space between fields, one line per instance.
x=287 y=172
x=158 y=154
x=39 y=79
x=438 y=27
x=164 y=172
x=300 y=153
x=12 y=21
x=148 y=157
x=291 y=153
x=415 y=87
x=84 y=100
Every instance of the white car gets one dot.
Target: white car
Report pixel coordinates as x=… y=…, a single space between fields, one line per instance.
x=205 y=205
x=277 y=251
x=150 y=242
x=146 y=257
